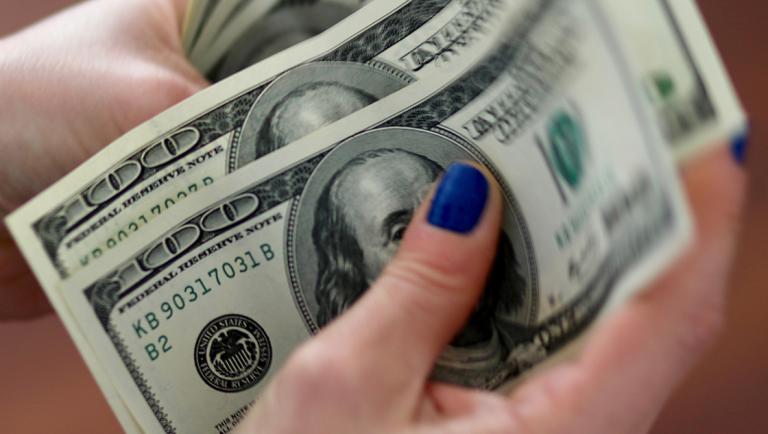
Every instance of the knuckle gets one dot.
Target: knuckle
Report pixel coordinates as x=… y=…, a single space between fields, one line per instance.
x=532 y=401
x=420 y=288
x=313 y=369
x=427 y=274
x=310 y=364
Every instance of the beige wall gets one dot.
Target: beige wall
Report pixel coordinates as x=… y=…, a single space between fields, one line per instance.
x=45 y=387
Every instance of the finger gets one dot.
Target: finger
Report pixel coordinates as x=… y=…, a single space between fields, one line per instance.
x=425 y=294
x=635 y=359
x=454 y=409
x=453 y=402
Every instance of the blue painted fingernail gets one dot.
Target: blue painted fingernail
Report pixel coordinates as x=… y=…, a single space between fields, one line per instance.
x=739 y=147
x=460 y=199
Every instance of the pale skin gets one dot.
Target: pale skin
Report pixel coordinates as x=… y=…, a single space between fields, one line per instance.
x=68 y=92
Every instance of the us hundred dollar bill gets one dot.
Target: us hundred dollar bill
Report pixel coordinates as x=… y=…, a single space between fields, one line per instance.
x=120 y=193
x=223 y=27
x=266 y=257
x=116 y=196
x=197 y=13
x=670 y=50
x=284 y=26
x=224 y=17
x=678 y=68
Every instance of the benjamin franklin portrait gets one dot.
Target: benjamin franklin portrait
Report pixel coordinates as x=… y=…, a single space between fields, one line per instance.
x=360 y=217
x=308 y=98
x=308 y=108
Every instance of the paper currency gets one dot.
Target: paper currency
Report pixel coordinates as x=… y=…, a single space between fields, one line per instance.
x=277 y=31
x=677 y=66
x=163 y=164
x=236 y=125
x=592 y=209
x=450 y=15
x=671 y=52
x=226 y=17
x=198 y=13
x=85 y=230
x=224 y=29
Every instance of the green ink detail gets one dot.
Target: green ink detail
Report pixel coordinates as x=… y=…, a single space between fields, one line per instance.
x=665 y=85
x=567 y=148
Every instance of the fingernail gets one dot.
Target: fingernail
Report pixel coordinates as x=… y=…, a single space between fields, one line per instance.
x=739 y=147
x=460 y=199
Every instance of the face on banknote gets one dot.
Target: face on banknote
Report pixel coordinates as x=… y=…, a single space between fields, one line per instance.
x=215 y=305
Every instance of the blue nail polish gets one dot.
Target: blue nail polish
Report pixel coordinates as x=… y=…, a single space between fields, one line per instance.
x=460 y=199
x=739 y=147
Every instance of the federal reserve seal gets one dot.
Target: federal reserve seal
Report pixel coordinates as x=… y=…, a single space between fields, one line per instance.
x=232 y=353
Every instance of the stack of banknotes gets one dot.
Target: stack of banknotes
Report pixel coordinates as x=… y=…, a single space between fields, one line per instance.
x=225 y=37
x=190 y=257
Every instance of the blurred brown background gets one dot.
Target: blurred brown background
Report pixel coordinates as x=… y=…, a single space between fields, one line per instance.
x=46 y=388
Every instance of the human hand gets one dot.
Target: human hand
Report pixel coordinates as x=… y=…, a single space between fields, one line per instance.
x=72 y=84
x=368 y=372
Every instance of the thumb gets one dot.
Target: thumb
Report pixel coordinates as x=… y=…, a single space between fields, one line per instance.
x=426 y=293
